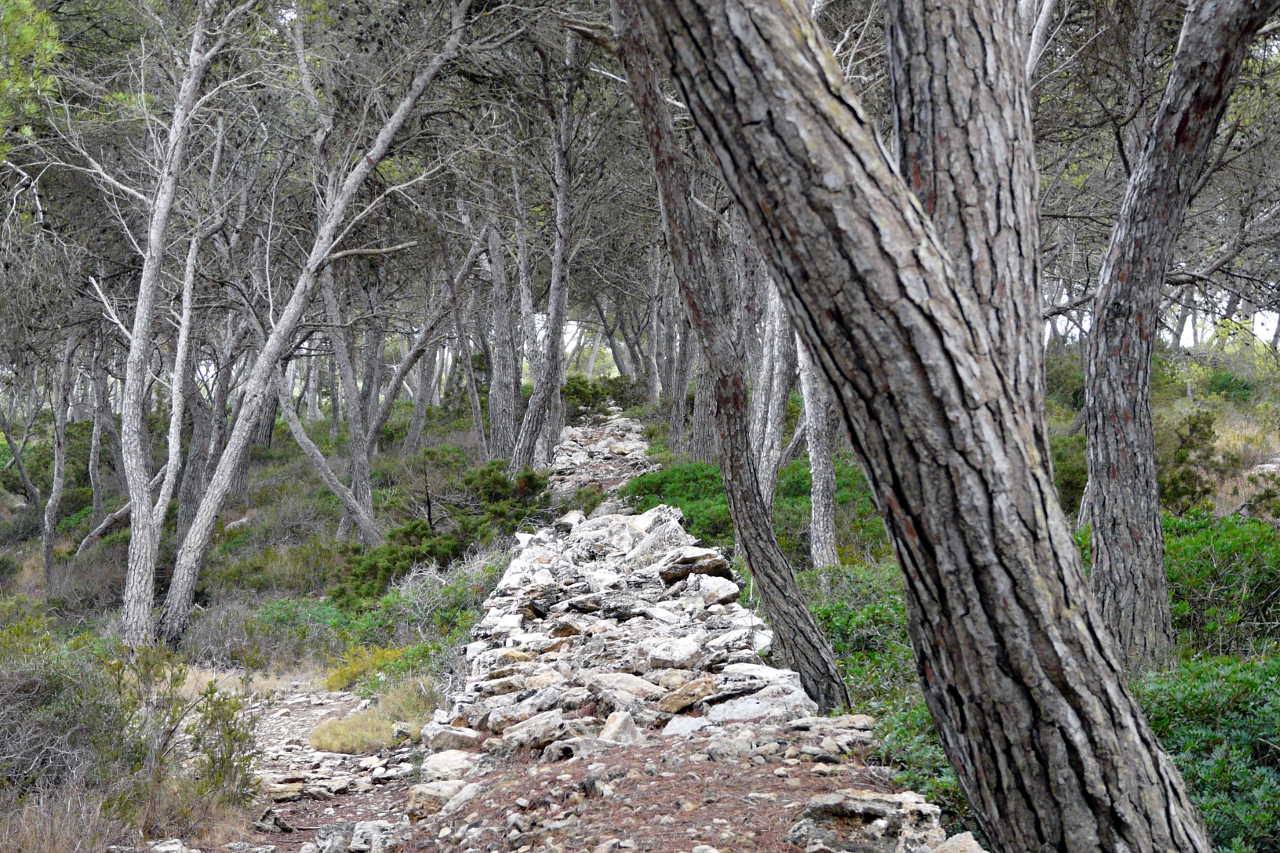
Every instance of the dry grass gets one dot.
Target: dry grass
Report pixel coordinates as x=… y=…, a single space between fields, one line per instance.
x=409 y=702
x=358 y=734
x=65 y=820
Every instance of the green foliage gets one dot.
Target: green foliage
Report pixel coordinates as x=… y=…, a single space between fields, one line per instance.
x=587 y=499
x=1188 y=464
x=1220 y=720
x=8 y=568
x=1229 y=386
x=1224 y=578
x=29 y=48
x=1070 y=469
x=1064 y=377
x=84 y=709
x=584 y=397
x=482 y=504
x=698 y=490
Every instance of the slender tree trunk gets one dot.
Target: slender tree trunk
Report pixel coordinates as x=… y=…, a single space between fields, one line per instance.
x=178 y=600
x=144 y=539
x=819 y=427
x=502 y=390
x=781 y=369
x=61 y=401
x=546 y=385
x=1017 y=666
x=1124 y=502
x=798 y=641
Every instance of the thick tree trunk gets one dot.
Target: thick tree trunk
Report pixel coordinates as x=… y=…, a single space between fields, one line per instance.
x=819 y=426
x=1123 y=499
x=1016 y=663
x=798 y=641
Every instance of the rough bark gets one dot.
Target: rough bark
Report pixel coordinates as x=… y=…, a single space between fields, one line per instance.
x=1016 y=663
x=776 y=376
x=798 y=640
x=1123 y=499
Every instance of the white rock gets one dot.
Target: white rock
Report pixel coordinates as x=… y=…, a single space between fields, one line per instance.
x=962 y=843
x=450 y=764
x=624 y=681
x=440 y=737
x=716 y=590
x=681 y=726
x=621 y=728
x=675 y=653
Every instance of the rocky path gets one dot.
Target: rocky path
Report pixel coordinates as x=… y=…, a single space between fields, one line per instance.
x=616 y=698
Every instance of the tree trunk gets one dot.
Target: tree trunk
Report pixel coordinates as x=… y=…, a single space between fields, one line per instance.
x=798 y=641
x=178 y=600
x=502 y=388
x=1017 y=666
x=819 y=426
x=779 y=371
x=61 y=400
x=540 y=409
x=1123 y=500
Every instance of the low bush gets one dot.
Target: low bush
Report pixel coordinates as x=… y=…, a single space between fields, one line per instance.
x=483 y=504
x=1219 y=718
x=116 y=727
x=585 y=397
x=1189 y=466
x=1224 y=578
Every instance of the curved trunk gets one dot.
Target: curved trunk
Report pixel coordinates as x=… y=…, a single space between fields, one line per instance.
x=1123 y=501
x=930 y=376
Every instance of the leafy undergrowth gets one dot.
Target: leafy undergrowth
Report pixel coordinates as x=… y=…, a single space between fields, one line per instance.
x=1219 y=717
x=697 y=489
x=114 y=732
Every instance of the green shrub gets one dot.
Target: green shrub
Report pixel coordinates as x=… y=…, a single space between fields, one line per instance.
x=1229 y=386
x=697 y=489
x=85 y=712
x=482 y=504
x=8 y=568
x=1070 y=470
x=584 y=397
x=1219 y=718
x=1224 y=578
x=1188 y=465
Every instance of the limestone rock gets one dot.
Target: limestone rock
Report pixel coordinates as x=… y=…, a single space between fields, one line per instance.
x=679 y=563
x=437 y=736
x=868 y=822
x=429 y=797
x=450 y=764
x=962 y=843
x=621 y=728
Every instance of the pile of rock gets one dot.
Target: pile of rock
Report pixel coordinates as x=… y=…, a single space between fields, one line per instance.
x=619 y=630
x=602 y=455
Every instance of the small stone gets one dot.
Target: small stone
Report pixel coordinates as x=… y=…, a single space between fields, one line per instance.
x=621 y=728
x=450 y=764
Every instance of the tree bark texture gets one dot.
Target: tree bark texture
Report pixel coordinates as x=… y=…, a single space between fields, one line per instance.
x=61 y=401
x=798 y=640
x=1123 y=500
x=1017 y=666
